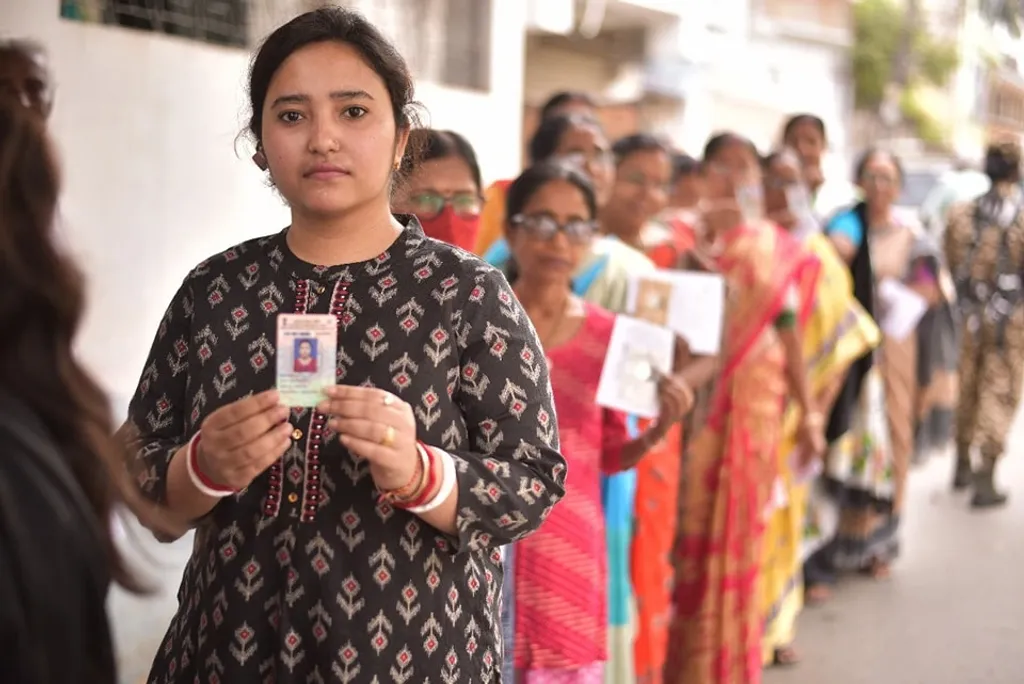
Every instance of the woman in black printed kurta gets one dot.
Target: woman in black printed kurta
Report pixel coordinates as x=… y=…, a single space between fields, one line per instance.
x=305 y=575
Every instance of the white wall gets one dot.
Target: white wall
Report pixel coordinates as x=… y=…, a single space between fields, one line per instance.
x=146 y=125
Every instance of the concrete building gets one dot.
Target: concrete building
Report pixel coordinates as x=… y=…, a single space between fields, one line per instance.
x=689 y=68
x=148 y=118
x=617 y=51
x=766 y=59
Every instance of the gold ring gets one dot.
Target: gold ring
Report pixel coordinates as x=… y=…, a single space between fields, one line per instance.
x=388 y=399
x=388 y=440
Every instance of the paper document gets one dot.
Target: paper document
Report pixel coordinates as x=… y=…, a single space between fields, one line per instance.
x=903 y=309
x=691 y=304
x=639 y=353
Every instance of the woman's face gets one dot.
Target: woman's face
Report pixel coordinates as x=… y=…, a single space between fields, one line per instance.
x=444 y=196
x=732 y=168
x=806 y=138
x=782 y=179
x=588 y=149
x=305 y=350
x=686 y=191
x=880 y=181
x=329 y=133
x=541 y=256
x=643 y=182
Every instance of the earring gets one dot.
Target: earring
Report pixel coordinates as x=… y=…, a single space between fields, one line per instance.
x=260 y=159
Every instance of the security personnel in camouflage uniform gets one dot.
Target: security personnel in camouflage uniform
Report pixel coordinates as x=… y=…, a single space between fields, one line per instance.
x=984 y=245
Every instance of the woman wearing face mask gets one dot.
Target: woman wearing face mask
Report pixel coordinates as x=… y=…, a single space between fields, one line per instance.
x=560 y=574
x=871 y=428
x=731 y=466
x=441 y=186
x=805 y=134
x=358 y=535
x=492 y=221
x=837 y=333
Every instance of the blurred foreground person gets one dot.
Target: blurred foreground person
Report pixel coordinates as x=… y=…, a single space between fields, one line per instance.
x=61 y=471
x=25 y=77
x=984 y=247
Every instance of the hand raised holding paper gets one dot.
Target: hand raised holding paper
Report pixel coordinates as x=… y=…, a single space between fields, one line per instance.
x=377 y=426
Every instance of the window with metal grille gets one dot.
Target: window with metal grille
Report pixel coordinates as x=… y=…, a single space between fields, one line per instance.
x=444 y=41
x=222 y=22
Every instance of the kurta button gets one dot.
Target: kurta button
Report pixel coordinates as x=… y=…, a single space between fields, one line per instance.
x=296 y=434
x=293 y=497
x=320 y=290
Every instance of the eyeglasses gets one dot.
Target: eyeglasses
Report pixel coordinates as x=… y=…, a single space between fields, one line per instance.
x=642 y=181
x=585 y=159
x=544 y=227
x=880 y=179
x=777 y=183
x=430 y=204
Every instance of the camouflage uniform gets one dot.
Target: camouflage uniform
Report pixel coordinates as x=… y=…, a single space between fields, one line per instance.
x=984 y=245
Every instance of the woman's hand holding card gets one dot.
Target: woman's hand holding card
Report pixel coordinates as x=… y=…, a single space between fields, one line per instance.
x=242 y=439
x=378 y=426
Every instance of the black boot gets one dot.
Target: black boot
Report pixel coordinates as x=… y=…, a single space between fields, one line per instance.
x=985 y=494
x=963 y=476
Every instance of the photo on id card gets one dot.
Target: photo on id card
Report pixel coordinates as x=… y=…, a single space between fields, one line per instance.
x=307 y=352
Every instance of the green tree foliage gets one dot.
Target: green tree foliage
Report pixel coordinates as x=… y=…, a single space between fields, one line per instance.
x=881 y=28
x=878 y=29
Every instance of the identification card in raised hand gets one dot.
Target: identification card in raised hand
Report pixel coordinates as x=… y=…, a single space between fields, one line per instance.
x=307 y=353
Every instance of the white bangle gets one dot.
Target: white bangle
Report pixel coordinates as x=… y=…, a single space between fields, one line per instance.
x=197 y=482
x=448 y=480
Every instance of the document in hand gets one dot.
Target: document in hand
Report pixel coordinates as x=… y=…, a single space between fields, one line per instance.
x=903 y=309
x=691 y=304
x=639 y=354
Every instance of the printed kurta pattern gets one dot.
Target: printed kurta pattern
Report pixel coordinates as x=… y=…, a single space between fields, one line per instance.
x=351 y=590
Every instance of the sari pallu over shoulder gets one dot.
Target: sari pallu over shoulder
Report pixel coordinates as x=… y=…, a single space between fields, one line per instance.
x=761 y=263
x=715 y=636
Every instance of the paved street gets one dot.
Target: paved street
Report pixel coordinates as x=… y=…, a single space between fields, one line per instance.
x=953 y=613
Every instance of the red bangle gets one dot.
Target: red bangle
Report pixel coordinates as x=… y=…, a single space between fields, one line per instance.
x=428 y=489
x=193 y=459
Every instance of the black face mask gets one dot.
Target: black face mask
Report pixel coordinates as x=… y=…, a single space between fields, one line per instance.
x=999 y=168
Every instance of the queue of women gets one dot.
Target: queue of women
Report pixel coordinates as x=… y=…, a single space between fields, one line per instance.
x=457 y=507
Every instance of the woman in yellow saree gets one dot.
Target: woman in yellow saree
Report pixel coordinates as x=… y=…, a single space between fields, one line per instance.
x=715 y=636
x=837 y=333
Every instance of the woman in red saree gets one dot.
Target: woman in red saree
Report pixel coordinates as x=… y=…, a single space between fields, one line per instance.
x=715 y=637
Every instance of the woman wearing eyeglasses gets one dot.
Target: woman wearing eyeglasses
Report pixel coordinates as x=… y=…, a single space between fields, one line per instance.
x=871 y=429
x=441 y=186
x=560 y=575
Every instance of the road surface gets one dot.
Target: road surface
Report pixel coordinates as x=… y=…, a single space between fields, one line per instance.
x=953 y=612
